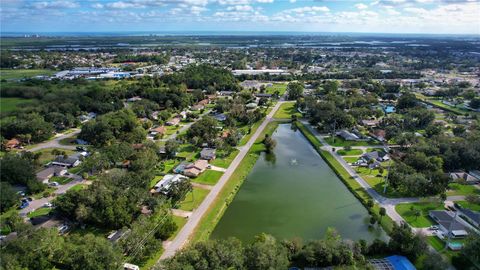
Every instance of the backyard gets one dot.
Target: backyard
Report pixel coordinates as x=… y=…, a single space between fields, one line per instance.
x=208 y=177
x=280 y=87
x=193 y=199
x=286 y=111
x=460 y=189
x=416 y=214
x=47 y=155
x=224 y=162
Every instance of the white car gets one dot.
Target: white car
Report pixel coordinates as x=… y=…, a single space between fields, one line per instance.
x=47 y=205
x=63 y=229
x=54 y=184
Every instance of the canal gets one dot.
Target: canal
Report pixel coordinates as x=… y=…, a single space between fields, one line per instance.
x=294 y=193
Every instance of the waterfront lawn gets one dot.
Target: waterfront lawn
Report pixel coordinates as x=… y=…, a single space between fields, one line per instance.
x=180 y=221
x=280 y=87
x=341 y=142
x=351 y=152
x=47 y=155
x=208 y=177
x=193 y=199
x=10 y=104
x=286 y=111
x=224 y=162
x=460 y=189
x=471 y=206
x=422 y=221
x=245 y=129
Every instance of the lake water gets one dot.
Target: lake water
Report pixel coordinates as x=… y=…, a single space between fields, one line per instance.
x=294 y=194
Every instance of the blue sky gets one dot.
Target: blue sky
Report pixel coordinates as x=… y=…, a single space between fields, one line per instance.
x=382 y=16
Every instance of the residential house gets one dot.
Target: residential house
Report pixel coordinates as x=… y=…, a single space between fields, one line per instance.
x=379 y=156
x=47 y=173
x=379 y=134
x=394 y=262
x=173 y=122
x=473 y=217
x=208 y=153
x=68 y=161
x=220 y=117
x=251 y=105
x=12 y=143
x=164 y=184
x=370 y=123
x=161 y=130
x=448 y=224
x=347 y=136
x=196 y=168
x=197 y=107
x=133 y=99
x=129 y=266
x=463 y=176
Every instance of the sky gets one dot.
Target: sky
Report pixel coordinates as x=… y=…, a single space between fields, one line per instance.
x=371 y=16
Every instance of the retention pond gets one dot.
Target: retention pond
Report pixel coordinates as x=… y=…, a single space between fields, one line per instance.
x=294 y=193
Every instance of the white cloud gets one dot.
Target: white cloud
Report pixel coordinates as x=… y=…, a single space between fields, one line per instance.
x=240 y=8
x=293 y=1
x=97 y=5
x=265 y=1
x=311 y=9
x=416 y=10
x=55 y=5
x=361 y=6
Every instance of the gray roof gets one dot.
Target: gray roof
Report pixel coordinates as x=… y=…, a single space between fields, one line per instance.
x=374 y=155
x=207 y=152
x=473 y=215
x=46 y=173
x=445 y=219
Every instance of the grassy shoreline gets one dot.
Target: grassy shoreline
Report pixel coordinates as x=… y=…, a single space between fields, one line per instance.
x=358 y=191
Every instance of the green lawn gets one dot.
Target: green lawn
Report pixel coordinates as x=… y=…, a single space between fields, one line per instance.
x=471 y=206
x=352 y=152
x=286 y=111
x=280 y=87
x=68 y=141
x=423 y=221
x=180 y=221
x=10 y=74
x=224 y=162
x=436 y=242
x=186 y=151
x=209 y=177
x=62 y=180
x=47 y=154
x=459 y=189
x=171 y=130
x=377 y=181
x=193 y=199
x=155 y=180
x=169 y=165
x=350 y=159
x=79 y=187
x=39 y=212
x=10 y=104
x=341 y=142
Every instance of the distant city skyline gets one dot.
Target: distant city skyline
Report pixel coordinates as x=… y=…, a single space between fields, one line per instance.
x=369 y=16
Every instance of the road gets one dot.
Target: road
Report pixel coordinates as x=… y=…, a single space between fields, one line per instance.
x=55 y=142
x=184 y=234
x=37 y=203
x=387 y=203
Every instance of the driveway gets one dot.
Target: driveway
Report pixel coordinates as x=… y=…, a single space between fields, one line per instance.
x=182 y=237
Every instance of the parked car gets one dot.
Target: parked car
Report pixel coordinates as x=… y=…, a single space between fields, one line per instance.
x=47 y=205
x=433 y=228
x=63 y=229
x=24 y=204
x=81 y=148
x=53 y=184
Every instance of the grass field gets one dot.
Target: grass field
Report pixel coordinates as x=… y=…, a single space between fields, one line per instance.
x=155 y=180
x=10 y=104
x=62 y=180
x=78 y=187
x=280 y=87
x=352 y=152
x=11 y=74
x=286 y=111
x=422 y=221
x=459 y=189
x=193 y=199
x=180 y=221
x=39 y=212
x=186 y=151
x=350 y=159
x=225 y=161
x=209 y=177
x=216 y=210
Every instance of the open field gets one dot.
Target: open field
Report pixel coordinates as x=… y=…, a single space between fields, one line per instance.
x=286 y=111
x=471 y=206
x=459 y=189
x=193 y=199
x=341 y=142
x=421 y=221
x=47 y=155
x=10 y=104
x=208 y=177
x=78 y=187
x=351 y=152
x=42 y=211
x=11 y=74
x=280 y=87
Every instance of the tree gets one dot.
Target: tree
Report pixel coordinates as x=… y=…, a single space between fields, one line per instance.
x=475 y=103
x=266 y=253
x=294 y=90
x=373 y=220
x=435 y=261
x=406 y=101
x=269 y=143
x=204 y=129
x=382 y=213
x=405 y=242
x=171 y=148
x=8 y=196
x=18 y=169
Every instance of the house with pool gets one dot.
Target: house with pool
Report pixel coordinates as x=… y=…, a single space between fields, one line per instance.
x=448 y=223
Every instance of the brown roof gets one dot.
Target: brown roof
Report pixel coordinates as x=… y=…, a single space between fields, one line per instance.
x=203 y=102
x=160 y=129
x=379 y=133
x=225 y=133
x=12 y=143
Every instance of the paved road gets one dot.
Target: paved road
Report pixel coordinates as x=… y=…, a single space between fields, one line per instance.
x=55 y=142
x=387 y=203
x=196 y=216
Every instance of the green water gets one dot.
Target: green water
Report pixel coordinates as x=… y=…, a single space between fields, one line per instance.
x=294 y=194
